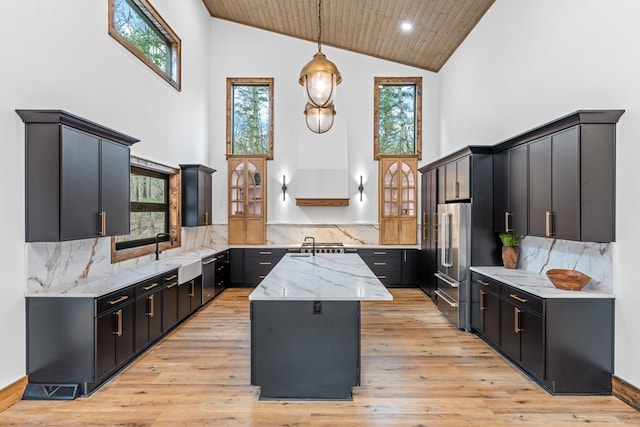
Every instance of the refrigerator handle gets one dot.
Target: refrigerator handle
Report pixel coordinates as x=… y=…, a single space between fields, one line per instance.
x=444 y=279
x=445 y=238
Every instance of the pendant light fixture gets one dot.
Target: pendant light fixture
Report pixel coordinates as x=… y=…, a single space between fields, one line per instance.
x=319 y=77
x=319 y=119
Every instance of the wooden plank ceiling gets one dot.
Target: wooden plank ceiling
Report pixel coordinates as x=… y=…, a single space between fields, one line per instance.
x=370 y=27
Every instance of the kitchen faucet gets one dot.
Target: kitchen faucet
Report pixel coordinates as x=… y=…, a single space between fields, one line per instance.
x=158 y=235
x=313 y=244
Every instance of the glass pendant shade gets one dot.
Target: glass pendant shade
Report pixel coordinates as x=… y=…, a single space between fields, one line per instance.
x=319 y=78
x=319 y=119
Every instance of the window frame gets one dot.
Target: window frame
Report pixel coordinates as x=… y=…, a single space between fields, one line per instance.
x=396 y=81
x=248 y=81
x=153 y=18
x=174 y=214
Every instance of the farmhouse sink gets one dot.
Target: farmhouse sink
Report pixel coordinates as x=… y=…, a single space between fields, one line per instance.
x=190 y=267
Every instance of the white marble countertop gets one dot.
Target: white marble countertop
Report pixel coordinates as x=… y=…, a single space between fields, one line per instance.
x=534 y=283
x=94 y=287
x=324 y=277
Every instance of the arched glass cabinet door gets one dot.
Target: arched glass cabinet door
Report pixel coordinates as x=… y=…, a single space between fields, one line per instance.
x=237 y=191
x=407 y=191
x=390 y=194
x=254 y=189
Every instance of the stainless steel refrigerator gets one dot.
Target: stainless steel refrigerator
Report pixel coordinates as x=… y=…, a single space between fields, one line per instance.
x=454 y=255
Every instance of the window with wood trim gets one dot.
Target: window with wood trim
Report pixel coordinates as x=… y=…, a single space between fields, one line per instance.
x=250 y=117
x=397 y=116
x=139 y=27
x=154 y=191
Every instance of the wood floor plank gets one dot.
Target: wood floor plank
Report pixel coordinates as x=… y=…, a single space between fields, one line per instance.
x=417 y=370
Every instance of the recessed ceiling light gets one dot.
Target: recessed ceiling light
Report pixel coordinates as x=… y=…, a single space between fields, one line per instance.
x=406 y=26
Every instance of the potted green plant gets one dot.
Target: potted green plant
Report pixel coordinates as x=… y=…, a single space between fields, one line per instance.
x=510 y=249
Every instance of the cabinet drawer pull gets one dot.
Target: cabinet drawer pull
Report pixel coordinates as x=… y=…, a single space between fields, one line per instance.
x=262 y=276
x=457 y=189
x=172 y=285
x=118 y=331
x=482 y=282
x=151 y=286
x=168 y=279
x=206 y=218
x=152 y=305
x=482 y=306
x=379 y=263
x=116 y=301
x=265 y=263
x=516 y=320
x=379 y=253
x=265 y=252
x=103 y=224
x=193 y=289
x=517 y=298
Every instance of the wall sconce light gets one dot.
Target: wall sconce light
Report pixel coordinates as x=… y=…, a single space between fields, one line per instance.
x=284 y=187
x=361 y=188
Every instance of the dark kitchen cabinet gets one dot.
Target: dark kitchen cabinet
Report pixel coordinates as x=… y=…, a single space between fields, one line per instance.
x=457 y=181
x=429 y=231
x=564 y=343
x=259 y=262
x=521 y=331
x=511 y=191
x=215 y=275
x=189 y=297
x=170 y=301
x=570 y=178
x=77 y=177
x=485 y=308
x=196 y=195
x=236 y=267
x=148 y=312
x=115 y=332
x=394 y=267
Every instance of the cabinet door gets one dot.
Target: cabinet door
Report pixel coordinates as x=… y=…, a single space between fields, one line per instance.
x=255 y=231
x=463 y=177
x=500 y=191
x=539 y=187
x=509 y=333
x=477 y=312
x=105 y=344
x=451 y=179
x=532 y=343
x=196 y=297
x=184 y=299
x=124 y=333
x=170 y=306
x=565 y=184
x=114 y=187
x=205 y=196
x=79 y=185
x=519 y=190
x=409 y=267
x=492 y=318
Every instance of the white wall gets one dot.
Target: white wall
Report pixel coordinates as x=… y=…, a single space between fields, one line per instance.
x=531 y=61
x=241 y=51
x=58 y=55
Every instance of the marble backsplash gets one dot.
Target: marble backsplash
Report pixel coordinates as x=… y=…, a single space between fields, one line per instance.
x=50 y=264
x=593 y=259
x=65 y=262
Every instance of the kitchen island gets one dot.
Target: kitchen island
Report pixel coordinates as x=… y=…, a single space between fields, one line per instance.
x=305 y=326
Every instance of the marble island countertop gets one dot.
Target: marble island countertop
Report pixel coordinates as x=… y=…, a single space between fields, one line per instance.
x=534 y=283
x=324 y=277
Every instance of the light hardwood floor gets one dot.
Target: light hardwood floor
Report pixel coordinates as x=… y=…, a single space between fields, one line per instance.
x=417 y=370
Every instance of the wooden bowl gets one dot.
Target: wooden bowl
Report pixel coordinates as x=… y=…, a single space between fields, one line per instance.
x=569 y=280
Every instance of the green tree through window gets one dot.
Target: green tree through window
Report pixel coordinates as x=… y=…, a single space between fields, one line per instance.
x=398 y=116
x=250 y=117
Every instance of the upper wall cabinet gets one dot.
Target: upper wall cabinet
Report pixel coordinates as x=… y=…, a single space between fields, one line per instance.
x=511 y=193
x=77 y=177
x=570 y=175
x=196 y=195
x=457 y=184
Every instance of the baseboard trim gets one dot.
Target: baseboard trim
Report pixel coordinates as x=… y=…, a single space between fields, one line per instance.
x=12 y=393
x=626 y=392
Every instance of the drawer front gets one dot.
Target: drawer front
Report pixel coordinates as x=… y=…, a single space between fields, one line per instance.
x=149 y=286
x=271 y=252
x=523 y=299
x=391 y=253
x=486 y=284
x=114 y=300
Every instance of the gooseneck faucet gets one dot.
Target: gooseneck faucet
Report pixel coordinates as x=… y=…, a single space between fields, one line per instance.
x=159 y=235
x=313 y=244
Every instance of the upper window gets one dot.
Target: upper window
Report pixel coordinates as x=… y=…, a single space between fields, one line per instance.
x=139 y=28
x=398 y=116
x=250 y=116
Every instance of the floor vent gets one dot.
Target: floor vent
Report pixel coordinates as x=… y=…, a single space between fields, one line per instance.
x=50 y=392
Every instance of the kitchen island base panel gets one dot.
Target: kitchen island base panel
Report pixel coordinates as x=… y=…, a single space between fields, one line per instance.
x=305 y=350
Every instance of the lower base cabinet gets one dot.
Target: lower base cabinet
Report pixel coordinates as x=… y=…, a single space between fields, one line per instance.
x=565 y=343
x=75 y=344
x=189 y=297
x=394 y=267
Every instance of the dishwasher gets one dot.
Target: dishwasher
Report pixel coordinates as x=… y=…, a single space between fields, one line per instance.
x=208 y=278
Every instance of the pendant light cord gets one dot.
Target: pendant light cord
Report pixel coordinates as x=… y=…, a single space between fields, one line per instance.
x=319 y=25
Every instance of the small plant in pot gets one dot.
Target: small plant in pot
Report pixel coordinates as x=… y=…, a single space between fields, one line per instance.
x=510 y=249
